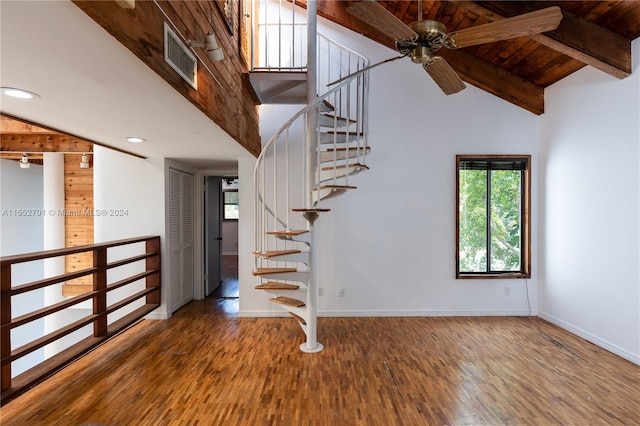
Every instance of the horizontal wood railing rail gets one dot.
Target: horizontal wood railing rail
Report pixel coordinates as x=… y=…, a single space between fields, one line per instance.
x=12 y=387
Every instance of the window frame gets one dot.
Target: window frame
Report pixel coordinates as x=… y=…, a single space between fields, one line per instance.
x=525 y=255
x=224 y=205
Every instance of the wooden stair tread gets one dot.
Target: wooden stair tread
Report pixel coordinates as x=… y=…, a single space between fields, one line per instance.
x=338 y=187
x=290 y=233
x=298 y=318
x=267 y=271
x=275 y=285
x=342 y=132
x=364 y=148
x=275 y=253
x=289 y=301
x=328 y=106
x=338 y=118
x=311 y=210
x=342 y=166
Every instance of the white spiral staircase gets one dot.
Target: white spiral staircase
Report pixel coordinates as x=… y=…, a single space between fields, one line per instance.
x=310 y=159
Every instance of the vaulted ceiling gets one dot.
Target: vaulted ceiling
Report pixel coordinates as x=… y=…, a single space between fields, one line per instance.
x=591 y=33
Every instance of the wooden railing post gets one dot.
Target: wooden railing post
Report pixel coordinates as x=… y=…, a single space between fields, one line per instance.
x=100 y=285
x=5 y=320
x=153 y=263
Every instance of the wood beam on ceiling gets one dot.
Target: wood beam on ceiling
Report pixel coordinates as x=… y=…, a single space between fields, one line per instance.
x=18 y=155
x=496 y=80
x=16 y=132
x=471 y=69
x=33 y=142
x=577 y=38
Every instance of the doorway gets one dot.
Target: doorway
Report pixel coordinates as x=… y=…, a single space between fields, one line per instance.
x=221 y=211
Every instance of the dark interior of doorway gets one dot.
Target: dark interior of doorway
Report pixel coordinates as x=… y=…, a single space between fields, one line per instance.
x=227 y=293
x=228 y=288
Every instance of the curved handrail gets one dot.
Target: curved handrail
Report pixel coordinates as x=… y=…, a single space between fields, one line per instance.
x=347 y=102
x=281 y=130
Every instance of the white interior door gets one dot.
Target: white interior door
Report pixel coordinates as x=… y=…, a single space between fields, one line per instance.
x=181 y=265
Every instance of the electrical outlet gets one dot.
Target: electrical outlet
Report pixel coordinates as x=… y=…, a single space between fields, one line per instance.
x=320 y=291
x=507 y=291
x=340 y=292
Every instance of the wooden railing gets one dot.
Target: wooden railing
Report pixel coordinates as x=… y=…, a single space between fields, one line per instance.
x=102 y=330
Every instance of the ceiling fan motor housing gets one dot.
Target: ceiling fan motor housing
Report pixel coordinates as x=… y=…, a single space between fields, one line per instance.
x=430 y=38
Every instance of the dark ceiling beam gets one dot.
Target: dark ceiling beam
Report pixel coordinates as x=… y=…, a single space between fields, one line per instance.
x=496 y=80
x=477 y=72
x=578 y=38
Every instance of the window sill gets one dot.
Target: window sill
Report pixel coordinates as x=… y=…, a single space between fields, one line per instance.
x=481 y=276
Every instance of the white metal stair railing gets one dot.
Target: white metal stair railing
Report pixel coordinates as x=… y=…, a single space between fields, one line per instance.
x=331 y=153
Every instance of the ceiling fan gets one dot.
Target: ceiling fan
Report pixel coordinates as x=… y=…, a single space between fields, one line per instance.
x=421 y=39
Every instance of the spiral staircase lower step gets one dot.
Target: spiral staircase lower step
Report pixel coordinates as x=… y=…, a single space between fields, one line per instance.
x=275 y=285
x=289 y=233
x=326 y=191
x=267 y=271
x=275 y=253
x=288 y=301
x=298 y=318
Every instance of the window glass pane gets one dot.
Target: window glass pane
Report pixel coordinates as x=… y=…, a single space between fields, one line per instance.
x=506 y=216
x=231 y=210
x=473 y=221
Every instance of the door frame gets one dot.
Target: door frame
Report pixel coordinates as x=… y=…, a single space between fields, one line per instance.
x=199 y=288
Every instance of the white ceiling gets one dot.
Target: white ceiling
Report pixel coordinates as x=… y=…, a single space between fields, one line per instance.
x=93 y=87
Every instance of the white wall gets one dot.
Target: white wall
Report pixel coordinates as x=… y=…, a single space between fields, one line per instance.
x=590 y=211
x=391 y=243
x=136 y=187
x=21 y=231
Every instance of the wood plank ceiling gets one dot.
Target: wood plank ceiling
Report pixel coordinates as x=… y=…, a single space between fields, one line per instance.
x=593 y=33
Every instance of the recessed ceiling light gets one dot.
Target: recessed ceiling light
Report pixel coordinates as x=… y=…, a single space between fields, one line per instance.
x=135 y=139
x=19 y=93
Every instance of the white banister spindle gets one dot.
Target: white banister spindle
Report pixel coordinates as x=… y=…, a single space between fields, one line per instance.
x=286 y=171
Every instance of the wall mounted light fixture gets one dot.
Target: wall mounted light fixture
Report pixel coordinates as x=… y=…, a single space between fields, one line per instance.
x=210 y=46
x=84 y=161
x=24 y=162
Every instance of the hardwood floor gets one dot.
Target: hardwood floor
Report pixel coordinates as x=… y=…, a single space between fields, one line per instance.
x=206 y=366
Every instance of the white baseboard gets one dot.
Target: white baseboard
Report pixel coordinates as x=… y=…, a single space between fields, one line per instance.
x=604 y=344
x=263 y=314
x=157 y=315
x=392 y=313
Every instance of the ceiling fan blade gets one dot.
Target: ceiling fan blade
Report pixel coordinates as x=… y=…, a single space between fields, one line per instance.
x=444 y=76
x=377 y=16
x=522 y=25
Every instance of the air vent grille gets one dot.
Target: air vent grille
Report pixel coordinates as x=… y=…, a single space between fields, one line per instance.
x=178 y=56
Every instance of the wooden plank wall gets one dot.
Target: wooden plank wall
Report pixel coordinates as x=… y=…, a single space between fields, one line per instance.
x=229 y=101
x=78 y=223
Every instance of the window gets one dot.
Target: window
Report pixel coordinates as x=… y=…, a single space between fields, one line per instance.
x=230 y=199
x=231 y=205
x=492 y=216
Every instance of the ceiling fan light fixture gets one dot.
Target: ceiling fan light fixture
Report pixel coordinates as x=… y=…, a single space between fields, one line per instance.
x=424 y=37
